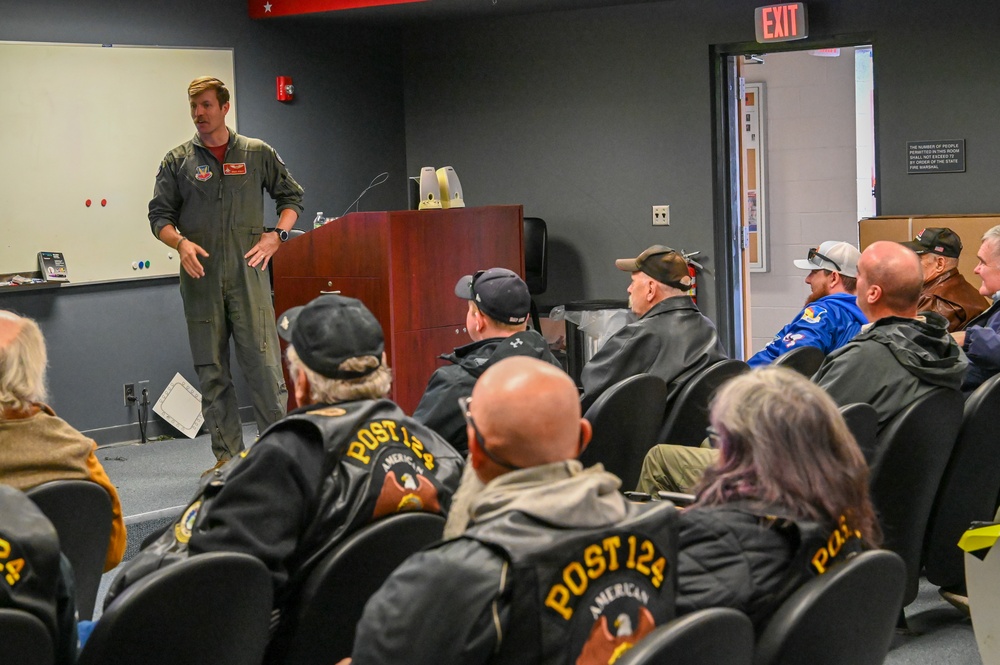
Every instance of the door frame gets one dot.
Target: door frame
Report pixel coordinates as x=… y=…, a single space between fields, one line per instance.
x=731 y=282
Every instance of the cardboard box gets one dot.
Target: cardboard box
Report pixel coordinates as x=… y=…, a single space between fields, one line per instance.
x=970 y=228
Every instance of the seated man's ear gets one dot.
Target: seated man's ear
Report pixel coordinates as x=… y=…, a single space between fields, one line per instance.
x=586 y=434
x=301 y=384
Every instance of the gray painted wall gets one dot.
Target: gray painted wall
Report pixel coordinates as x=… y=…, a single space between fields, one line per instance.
x=345 y=127
x=587 y=117
x=590 y=117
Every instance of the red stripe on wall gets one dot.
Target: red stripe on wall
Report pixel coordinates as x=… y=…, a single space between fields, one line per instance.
x=269 y=8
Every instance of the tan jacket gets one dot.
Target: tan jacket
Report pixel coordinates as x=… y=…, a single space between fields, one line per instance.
x=44 y=447
x=950 y=295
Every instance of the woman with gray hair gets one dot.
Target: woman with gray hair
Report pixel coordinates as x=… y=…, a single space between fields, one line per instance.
x=787 y=498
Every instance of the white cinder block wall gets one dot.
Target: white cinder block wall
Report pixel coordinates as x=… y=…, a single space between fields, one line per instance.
x=811 y=171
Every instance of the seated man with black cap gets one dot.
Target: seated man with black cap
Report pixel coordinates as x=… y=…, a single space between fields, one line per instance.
x=945 y=290
x=497 y=322
x=346 y=457
x=672 y=339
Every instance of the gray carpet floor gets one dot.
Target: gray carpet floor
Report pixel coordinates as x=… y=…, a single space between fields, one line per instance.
x=156 y=481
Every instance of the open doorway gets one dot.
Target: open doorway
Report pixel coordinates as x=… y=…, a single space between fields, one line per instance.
x=799 y=169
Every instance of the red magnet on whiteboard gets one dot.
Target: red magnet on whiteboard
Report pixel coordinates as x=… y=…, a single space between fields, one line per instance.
x=104 y=202
x=88 y=203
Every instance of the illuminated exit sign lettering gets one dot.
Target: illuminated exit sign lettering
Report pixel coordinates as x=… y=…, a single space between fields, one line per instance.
x=781 y=23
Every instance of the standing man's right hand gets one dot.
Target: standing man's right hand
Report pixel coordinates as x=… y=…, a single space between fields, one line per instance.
x=189 y=252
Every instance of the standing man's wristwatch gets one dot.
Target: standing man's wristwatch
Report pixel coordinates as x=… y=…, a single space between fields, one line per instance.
x=282 y=233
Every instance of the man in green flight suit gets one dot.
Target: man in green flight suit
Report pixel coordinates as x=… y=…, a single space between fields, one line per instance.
x=207 y=205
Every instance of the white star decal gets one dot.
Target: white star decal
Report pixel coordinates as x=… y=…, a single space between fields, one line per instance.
x=267 y=7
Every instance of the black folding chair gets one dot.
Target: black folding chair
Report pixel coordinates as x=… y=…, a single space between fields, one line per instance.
x=25 y=639
x=318 y=628
x=845 y=616
x=80 y=510
x=626 y=419
x=687 y=418
x=968 y=489
x=712 y=636
x=804 y=359
x=211 y=609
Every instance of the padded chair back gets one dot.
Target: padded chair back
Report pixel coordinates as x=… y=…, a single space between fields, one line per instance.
x=626 y=419
x=805 y=360
x=80 y=510
x=211 y=609
x=536 y=255
x=847 y=615
x=862 y=420
x=25 y=639
x=912 y=452
x=712 y=636
x=536 y=262
x=969 y=486
x=687 y=418
x=320 y=628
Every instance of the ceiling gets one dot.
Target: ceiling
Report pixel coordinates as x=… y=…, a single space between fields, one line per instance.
x=445 y=9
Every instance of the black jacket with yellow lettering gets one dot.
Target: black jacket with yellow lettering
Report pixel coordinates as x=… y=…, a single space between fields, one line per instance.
x=556 y=565
x=315 y=476
x=34 y=576
x=582 y=596
x=751 y=558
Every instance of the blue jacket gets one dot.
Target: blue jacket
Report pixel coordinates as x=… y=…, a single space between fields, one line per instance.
x=982 y=345
x=828 y=323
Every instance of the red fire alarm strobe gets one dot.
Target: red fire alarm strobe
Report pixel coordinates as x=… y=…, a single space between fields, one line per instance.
x=286 y=90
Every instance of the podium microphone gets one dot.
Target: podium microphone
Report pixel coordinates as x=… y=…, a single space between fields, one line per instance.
x=374 y=183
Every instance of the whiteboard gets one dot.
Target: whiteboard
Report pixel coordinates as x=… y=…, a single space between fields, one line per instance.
x=83 y=122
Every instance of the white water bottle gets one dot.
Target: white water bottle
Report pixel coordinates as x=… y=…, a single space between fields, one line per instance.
x=319 y=221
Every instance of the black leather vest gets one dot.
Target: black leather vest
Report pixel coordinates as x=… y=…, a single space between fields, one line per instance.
x=583 y=595
x=377 y=461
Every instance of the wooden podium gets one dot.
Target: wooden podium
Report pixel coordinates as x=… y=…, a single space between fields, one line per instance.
x=403 y=265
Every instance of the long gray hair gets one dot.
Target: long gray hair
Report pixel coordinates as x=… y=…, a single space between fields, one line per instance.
x=784 y=443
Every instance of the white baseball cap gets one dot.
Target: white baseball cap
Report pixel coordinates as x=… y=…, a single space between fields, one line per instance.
x=832 y=255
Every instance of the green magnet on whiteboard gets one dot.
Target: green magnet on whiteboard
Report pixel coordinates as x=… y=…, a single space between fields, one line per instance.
x=147 y=264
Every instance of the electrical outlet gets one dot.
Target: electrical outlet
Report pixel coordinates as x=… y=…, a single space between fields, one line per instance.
x=661 y=215
x=140 y=387
x=129 y=392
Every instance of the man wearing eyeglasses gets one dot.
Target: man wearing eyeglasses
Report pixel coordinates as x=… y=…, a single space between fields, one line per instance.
x=497 y=322
x=831 y=316
x=556 y=565
x=981 y=338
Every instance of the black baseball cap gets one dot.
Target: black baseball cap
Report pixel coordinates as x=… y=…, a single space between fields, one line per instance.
x=331 y=329
x=498 y=292
x=662 y=263
x=934 y=240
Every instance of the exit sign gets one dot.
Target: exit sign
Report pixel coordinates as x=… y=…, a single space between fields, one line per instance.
x=781 y=23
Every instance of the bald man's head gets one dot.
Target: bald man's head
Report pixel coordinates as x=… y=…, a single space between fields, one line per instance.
x=889 y=280
x=528 y=413
x=22 y=362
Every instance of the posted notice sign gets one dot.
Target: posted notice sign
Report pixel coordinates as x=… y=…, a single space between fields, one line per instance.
x=935 y=156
